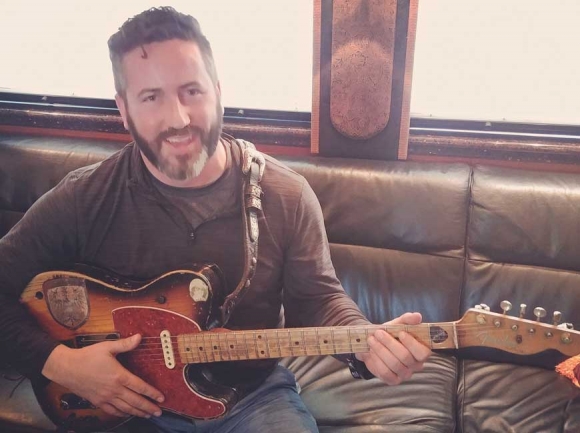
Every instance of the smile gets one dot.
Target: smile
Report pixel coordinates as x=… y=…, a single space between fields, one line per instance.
x=180 y=141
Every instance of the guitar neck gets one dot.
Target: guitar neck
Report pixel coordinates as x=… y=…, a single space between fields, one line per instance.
x=204 y=347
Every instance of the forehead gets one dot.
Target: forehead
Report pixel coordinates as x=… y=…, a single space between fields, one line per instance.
x=167 y=64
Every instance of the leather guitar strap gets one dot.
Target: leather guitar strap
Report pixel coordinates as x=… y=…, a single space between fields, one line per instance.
x=252 y=165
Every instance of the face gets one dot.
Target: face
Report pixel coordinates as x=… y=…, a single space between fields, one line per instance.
x=171 y=107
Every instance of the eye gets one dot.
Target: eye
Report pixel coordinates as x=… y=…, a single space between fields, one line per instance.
x=150 y=98
x=193 y=91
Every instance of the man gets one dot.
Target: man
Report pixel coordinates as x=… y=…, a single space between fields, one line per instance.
x=170 y=199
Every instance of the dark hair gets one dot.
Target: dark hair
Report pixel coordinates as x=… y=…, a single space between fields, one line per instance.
x=156 y=25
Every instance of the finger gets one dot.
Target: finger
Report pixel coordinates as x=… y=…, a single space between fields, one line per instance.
x=387 y=344
x=407 y=319
x=128 y=408
x=140 y=403
x=124 y=344
x=112 y=410
x=391 y=354
x=419 y=351
x=139 y=386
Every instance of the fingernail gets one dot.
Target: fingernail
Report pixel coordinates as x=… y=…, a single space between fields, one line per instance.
x=402 y=336
x=160 y=399
x=158 y=413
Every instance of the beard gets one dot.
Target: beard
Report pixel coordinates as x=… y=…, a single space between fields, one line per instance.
x=180 y=167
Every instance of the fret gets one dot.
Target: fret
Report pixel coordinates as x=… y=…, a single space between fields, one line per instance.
x=223 y=346
x=267 y=344
x=203 y=345
x=295 y=347
x=261 y=348
x=200 y=347
x=214 y=346
x=317 y=341
x=245 y=346
x=358 y=340
x=324 y=342
x=310 y=342
x=350 y=341
x=341 y=341
x=184 y=354
x=275 y=349
x=191 y=342
x=252 y=347
x=279 y=345
x=231 y=347
x=256 y=348
x=290 y=345
x=333 y=341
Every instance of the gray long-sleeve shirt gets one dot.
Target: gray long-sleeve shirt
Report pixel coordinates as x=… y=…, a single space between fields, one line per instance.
x=114 y=216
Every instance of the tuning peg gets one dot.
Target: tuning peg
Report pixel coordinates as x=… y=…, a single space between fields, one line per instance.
x=485 y=307
x=539 y=312
x=505 y=306
x=522 y=310
x=557 y=317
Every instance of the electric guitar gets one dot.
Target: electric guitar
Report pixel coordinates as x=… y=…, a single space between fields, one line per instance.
x=172 y=313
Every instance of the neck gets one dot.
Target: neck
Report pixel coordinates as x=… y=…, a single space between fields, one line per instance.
x=211 y=172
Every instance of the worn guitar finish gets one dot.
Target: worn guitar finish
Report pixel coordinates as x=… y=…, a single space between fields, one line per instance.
x=80 y=309
x=172 y=313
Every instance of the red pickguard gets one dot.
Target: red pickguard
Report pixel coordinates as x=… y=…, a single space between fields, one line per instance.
x=147 y=360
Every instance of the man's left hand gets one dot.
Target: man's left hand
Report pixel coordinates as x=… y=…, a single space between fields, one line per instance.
x=394 y=361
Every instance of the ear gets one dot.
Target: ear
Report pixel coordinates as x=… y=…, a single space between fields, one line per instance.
x=122 y=109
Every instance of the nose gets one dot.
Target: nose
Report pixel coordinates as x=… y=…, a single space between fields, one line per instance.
x=177 y=116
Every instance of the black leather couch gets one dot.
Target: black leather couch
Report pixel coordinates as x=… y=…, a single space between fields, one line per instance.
x=430 y=237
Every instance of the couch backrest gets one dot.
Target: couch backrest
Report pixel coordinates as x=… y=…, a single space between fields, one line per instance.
x=431 y=237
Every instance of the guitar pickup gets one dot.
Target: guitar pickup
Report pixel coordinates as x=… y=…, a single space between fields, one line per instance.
x=89 y=339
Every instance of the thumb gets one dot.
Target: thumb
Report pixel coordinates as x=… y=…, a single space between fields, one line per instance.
x=124 y=344
x=407 y=319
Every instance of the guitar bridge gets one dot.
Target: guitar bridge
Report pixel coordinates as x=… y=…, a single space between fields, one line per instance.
x=167 y=348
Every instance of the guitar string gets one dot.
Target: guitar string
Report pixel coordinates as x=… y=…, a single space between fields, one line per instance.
x=319 y=333
x=286 y=344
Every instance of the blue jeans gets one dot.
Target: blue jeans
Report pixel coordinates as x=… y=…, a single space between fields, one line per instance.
x=274 y=407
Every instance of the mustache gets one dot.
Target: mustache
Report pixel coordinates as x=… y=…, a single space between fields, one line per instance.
x=173 y=132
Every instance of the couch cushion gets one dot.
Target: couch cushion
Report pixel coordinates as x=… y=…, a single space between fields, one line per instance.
x=509 y=398
x=424 y=404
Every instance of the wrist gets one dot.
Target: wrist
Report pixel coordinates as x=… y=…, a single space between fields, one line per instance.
x=358 y=369
x=55 y=362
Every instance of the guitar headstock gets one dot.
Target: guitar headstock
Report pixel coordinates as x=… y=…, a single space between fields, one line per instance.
x=480 y=327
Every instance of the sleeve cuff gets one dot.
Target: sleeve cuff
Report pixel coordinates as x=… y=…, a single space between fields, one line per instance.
x=358 y=369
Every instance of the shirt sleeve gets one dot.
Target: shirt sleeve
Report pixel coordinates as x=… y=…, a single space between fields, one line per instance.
x=42 y=240
x=313 y=295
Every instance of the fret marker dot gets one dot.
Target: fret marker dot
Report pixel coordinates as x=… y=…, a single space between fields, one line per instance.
x=188 y=349
x=325 y=341
x=262 y=352
x=296 y=343
x=259 y=337
x=358 y=340
x=215 y=348
x=231 y=346
x=201 y=349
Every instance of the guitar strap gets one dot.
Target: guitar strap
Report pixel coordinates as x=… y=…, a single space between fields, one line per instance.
x=252 y=166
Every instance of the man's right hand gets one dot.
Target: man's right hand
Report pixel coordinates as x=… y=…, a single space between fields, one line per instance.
x=94 y=373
